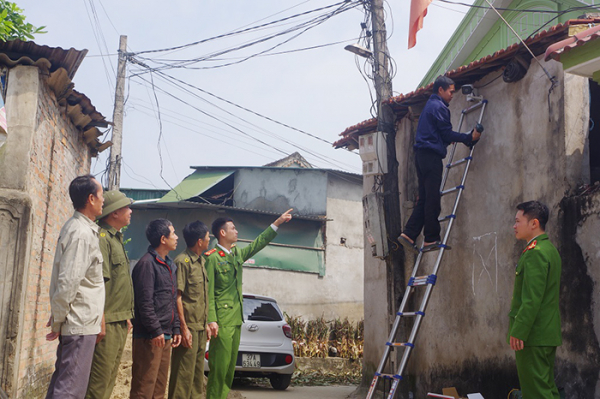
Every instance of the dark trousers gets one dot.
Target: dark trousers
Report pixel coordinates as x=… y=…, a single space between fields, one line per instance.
x=150 y=368
x=72 y=370
x=427 y=211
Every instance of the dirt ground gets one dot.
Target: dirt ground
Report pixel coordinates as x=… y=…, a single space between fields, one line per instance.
x=123 y=384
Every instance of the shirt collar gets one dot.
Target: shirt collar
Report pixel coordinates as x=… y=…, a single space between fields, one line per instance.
x=541 y=237
x=155 y=254
x=80 y=216
x=192 y=255
x=437 y=97
x=224 y=249
x=109 y=228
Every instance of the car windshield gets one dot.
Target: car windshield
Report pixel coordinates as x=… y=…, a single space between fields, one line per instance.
x=258 y=309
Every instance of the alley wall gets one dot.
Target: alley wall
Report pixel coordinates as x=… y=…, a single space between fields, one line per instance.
x=532 y=148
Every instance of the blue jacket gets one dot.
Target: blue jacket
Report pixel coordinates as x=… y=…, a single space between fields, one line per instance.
x=434 y=131
x=155 y=296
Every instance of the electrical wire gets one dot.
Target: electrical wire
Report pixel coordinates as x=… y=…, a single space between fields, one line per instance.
x=241 y=30
x=299 y=29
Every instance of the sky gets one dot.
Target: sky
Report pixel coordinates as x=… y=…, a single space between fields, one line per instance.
x=195 y=116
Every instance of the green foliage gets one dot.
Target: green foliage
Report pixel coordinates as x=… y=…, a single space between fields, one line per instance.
x=13 y=25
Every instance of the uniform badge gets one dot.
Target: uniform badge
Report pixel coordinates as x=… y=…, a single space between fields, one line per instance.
x=530 y=246
x=102 y=234
x=212 y=251
x=187 y=260
x=222 y=253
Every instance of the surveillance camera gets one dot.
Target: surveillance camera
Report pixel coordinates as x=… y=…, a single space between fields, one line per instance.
x=467 y=89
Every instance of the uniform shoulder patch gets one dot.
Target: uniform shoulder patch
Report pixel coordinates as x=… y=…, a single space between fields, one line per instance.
x=212 y=251
x=187 y=260
x=530 y=246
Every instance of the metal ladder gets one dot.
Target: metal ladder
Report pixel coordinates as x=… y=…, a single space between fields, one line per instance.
x=425 y=280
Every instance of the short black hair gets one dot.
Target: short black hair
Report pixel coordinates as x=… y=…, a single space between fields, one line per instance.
x=194 y=231
x=80 y=189
x=442 y=81
x=535 y=210
x=218 y=224
x=156 y=229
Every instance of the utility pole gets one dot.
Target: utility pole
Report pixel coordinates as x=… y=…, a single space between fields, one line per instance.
x=386 y=123
x=114 y=167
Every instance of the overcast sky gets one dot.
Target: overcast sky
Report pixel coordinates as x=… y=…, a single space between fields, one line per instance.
x=320 y=92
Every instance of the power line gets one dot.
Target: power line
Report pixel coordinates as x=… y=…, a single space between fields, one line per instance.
x=239 y=31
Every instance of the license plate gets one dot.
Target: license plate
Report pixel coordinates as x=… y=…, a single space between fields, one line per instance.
x=250 y=360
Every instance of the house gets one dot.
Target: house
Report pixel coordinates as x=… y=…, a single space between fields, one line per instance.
x=50 y=136
x=314 y=266
x=537 y=144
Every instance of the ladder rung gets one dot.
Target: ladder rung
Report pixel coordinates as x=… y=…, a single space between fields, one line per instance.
x=422 y=280
x=451 y=190
x=411 y=314
x=389 y=376
x=446 y=218
x=408 y=344
x=459 y=162
x=436 y=248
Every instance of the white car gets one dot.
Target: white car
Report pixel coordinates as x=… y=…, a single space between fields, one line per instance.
x=266 y=348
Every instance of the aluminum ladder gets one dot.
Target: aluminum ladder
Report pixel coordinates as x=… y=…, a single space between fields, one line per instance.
x=428 y=280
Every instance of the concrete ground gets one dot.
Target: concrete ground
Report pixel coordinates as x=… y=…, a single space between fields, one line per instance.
x=297 y=392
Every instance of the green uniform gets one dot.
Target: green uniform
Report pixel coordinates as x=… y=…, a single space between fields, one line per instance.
x=118 y=308
x=225 y=306
x=187 y=364
x=535 y=317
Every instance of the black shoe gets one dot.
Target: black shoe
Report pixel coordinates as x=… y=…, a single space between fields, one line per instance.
x=410 y=246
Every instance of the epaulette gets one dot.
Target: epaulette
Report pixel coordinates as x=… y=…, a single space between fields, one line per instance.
x=212 y=251
x=530 y=246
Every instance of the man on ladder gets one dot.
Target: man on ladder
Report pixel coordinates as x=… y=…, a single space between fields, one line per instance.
x=434 y=134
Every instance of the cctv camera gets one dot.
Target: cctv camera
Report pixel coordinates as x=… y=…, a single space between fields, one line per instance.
x=467 y=89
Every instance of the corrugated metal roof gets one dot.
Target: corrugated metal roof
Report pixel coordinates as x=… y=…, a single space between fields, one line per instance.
x=149 y=205
x=463 y=75
x=306 y=170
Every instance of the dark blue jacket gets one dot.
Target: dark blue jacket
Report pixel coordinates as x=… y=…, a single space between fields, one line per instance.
x=155 y=296
x=434 y=131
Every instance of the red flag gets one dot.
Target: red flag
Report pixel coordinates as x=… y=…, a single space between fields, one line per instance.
x=418 y=10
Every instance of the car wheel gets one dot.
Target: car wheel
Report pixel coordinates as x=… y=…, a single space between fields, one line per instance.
x=280 y=381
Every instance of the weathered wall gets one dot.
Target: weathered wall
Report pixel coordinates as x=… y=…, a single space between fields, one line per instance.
x=278 y=189
x=377 y=308
x=522 y=156
x=42 y=154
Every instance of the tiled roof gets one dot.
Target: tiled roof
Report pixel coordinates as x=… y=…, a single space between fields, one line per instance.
x=463 y=75
x=554 y=51
x=61 y=66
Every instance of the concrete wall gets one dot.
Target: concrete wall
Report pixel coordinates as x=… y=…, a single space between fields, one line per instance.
x=530 y=150
x=279 y=189
x=41 y=156
x=339 y=293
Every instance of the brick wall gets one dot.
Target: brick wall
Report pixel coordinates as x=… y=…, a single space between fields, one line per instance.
x=58 y=154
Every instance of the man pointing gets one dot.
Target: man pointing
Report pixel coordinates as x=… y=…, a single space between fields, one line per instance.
x=225 y=311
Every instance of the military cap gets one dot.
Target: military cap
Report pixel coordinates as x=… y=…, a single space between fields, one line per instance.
x=114 y=200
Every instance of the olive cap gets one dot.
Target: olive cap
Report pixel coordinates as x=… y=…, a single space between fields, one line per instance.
x=114 y=200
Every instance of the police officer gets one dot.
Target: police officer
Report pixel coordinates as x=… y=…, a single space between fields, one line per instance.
x=118 y=308
x=534 y=329
x=187 y=360
x=225 y=302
